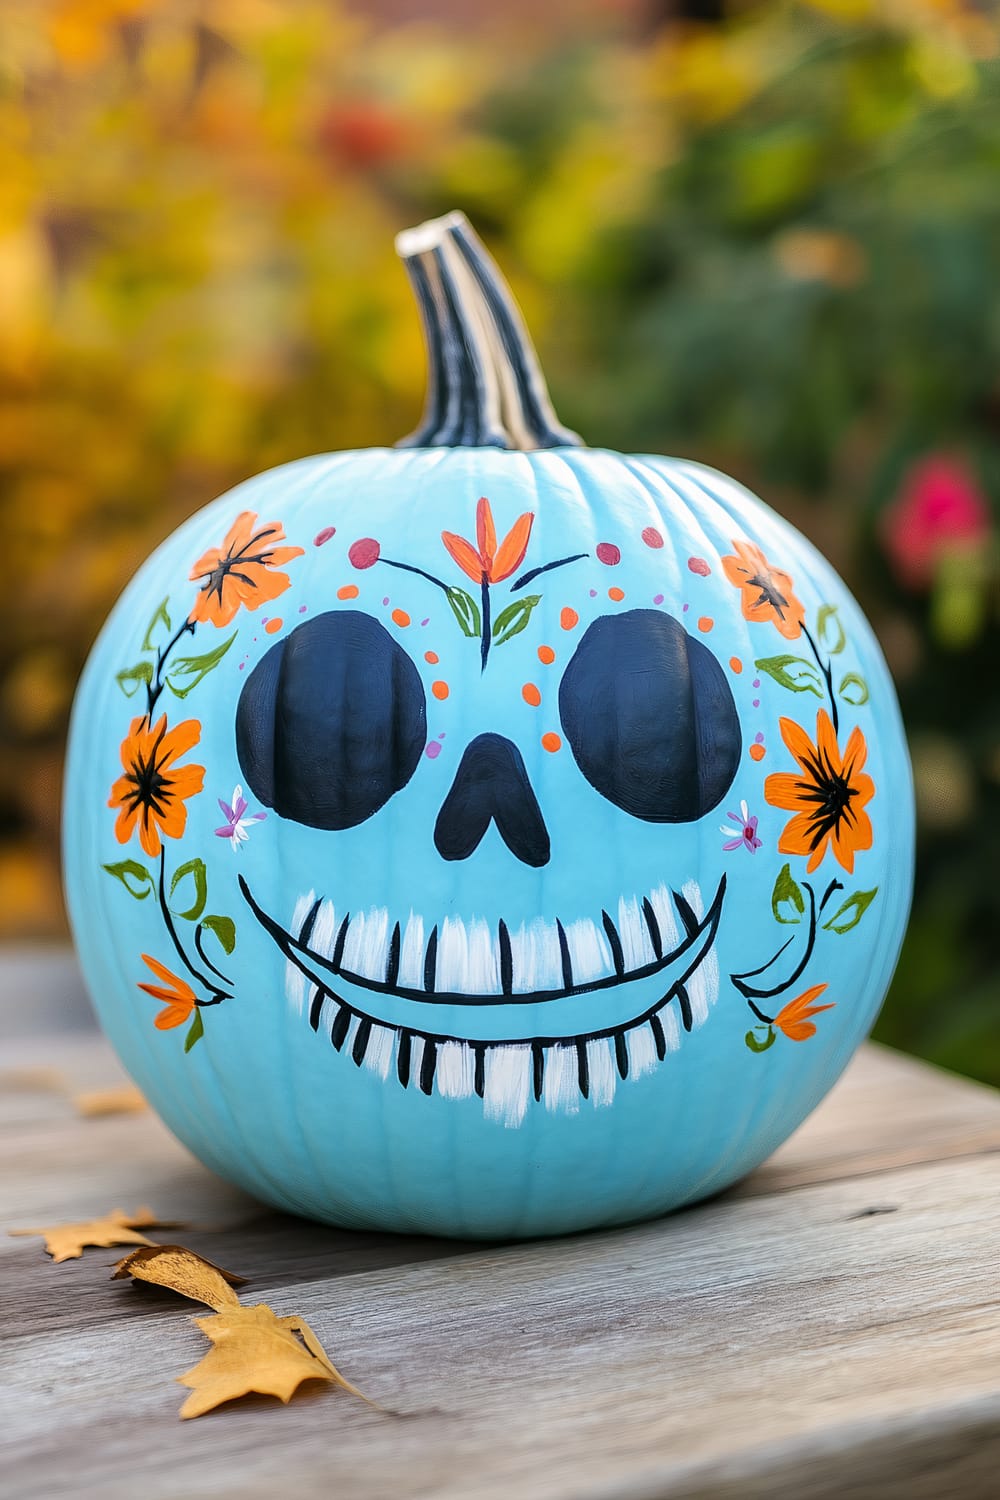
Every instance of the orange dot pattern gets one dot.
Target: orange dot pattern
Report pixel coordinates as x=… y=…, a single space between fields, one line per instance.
x=736 y=664
x=568 y=618
x=616 y=594
x=432 y=657
x=757 y=752
x=546 y=655
x=705 y=624
x=440 y=690
x=349 y=591
x=551 y=742
x=401 y=618
x=273 y=626
x=531 y=695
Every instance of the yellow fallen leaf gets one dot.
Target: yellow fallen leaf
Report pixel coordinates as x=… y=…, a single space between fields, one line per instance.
x=181 y=1271
x=126 y=1100
x=66 y=1241
x=255 y=1350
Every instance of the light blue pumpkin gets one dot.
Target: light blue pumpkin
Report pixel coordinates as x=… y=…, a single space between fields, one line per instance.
x=490 y=837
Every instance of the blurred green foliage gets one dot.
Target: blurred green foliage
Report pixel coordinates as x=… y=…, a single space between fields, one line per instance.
x=771 y=244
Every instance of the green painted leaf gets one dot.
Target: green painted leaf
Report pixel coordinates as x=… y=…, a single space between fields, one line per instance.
x=792 y=672
x=196 y=869
x=131 y=679
x=787 y=893
x=853 y=689
x=466 y=611
x=136 y=879
x=512 y=620
x=224 y=929
x=850 y=911
x=187 y=671
x=160 y=618
x=757 y=1046
x=830 y=631
x=195 y=1031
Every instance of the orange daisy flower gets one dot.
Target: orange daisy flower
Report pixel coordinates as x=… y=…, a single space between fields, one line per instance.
x=153 y=788
x=242 y=572
x=176 y=994
x=768 y=593
x=828 y=795
x=490 y=563
x=793 y=1019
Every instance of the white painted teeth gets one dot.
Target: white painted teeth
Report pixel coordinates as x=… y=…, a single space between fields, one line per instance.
x=469 y=957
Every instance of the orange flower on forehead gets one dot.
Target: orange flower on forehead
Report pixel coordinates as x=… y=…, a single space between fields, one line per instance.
x=767 y=592
x=794 y=1018
x=828 y=794
x=486 y=562
x=242 y=572
x=177 y=995
x=152 y=791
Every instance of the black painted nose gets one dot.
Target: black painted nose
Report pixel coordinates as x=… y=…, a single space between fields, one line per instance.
x=491 y=785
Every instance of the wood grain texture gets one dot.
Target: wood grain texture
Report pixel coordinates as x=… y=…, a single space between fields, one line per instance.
x=784 y=1340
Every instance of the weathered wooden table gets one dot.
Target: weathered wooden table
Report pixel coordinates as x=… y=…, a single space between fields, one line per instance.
x=829 y=1328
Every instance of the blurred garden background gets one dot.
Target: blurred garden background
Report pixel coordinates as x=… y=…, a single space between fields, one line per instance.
x=766 y=236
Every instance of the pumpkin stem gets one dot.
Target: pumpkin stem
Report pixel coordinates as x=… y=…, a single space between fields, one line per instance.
x=485 y=386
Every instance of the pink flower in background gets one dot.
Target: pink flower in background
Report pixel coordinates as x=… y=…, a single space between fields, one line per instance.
x=940 y=509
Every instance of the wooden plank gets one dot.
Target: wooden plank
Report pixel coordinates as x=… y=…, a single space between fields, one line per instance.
x=768 y=1337
x=782 y=1340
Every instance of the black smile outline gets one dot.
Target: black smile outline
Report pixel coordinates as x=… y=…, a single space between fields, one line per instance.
x=701 y=940
x=299 y=952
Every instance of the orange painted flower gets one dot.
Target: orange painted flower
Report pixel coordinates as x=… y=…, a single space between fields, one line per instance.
x=828 y=794
x=242 y=572
x=490 y=563
x=152 y=791
x=793 y=1019
x=768 y=593
x=177 y=995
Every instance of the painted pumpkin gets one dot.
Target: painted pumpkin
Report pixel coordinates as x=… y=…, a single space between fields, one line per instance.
x=492 y=836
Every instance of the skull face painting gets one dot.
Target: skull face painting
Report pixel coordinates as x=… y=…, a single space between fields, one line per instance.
x=564 y=783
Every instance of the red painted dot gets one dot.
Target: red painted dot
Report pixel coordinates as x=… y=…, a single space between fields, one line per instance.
x=349 y=591
x=324 y=535
x=440 y=690
x=364 y=553
x=531 y=695
x=401 y=618
x=551 y=742
x=609 y=554
x=568 y=618
x=706 y=623
x=652 y=537
x=736 y=664
x=273 y=626
x=616 y=594
x=547 y=655
x=757 y=752
x=432 y=657
x=700 y=566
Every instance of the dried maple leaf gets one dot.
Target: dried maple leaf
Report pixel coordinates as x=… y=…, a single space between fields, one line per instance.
x=255 y=1350
x=182 y=1271
x=66 y=1241
x=126 y=1100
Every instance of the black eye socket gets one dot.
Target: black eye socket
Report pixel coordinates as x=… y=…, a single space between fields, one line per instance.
x=331 y=722
x=650 y=717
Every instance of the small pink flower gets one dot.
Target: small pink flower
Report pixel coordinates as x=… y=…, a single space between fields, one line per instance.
x=745 y=835
x=364 y=553
x=237 y=819
x=940 y=509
